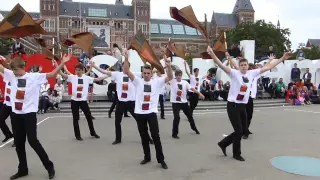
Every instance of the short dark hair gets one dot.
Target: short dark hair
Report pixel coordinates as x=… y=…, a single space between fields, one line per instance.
x=195 y=70
x=243 y=60
x=177 y=72
x=79 y=66
x=147 y=66
x=17 y=62
x=115 y=45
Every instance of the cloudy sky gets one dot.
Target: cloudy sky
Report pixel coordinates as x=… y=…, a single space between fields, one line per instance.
x=300 y=18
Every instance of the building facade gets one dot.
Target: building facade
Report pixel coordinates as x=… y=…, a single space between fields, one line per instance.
x=118 y=23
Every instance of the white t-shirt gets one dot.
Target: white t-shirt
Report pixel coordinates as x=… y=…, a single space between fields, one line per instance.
x=254 y=87
x=80 y=86
x=125 y=87
x=241 y=85
x=44 y=89
x=194 y=82
x=179 y=91
x=7 y=94
x=147 y=95
x=25 y=91
x=163 y=88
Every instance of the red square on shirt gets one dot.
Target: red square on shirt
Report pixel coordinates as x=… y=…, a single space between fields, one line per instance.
x=18 y=106
x=146 y=98
x=197 y=84
x=20 y=95
x=8 y=91
x=124 y=95
x=125 y=87
x=79 y=95
x=178 y=99
x=240 y=97
x=7 y=98
x=179 y=93
x=79 y=88
x=145 y=107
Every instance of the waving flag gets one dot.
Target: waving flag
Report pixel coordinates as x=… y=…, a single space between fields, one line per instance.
x=18 y=23
x=172 y=48
x=84 y=40
x=219 y=48
x=141 y=45
x=187 y=17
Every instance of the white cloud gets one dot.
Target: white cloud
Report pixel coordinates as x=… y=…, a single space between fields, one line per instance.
x=300 y=18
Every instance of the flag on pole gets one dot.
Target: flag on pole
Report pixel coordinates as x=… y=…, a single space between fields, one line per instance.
x=84 y=40
x=219 y=48
x=172 y=48
x=187 y=17
x=141 y=45
x=18 y=23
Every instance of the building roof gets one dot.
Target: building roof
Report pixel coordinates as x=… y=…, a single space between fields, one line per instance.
x=96 y=10
x=34 y=15
x=223 y=19
x=242 y=5
x=166 y=28
x=313 y=42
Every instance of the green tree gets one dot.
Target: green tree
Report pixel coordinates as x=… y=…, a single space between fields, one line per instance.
x=5 y=46
x=312 y=53
x=264 y=34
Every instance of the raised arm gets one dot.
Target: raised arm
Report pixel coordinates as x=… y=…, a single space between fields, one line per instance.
x=65 y=76
x=92 y=64
x=87 y=73
x=169 y=69
x=126 y=68
x=232 y=62
x=185 y=66
x=64 y=60
x=217 y=61
x=275 y=62
x=100 y=78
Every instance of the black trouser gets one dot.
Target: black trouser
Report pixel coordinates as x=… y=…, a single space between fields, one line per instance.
x=265 y=83
x=238 y=119
x=176 y=107
x=5 y=111
x=83 y=105
x=25 y=125
x=193 y=99
x=161 y=101
x=113 y=105
x=120 y=109
x=249 y=111
x=143 y=120
x=44 y=103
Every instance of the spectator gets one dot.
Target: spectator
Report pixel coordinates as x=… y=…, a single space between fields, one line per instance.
x=299 y=100
x=226 y=88
x=292 y=83
x=18 y=48
x=265 y=79
x=112 y=91
x=54 y=100
x=260 y=89
x=59 y=88
x=291 y=95
x=295 y=73
x=206 y=90
x=307 y=78
x=272 y=88
x=306 y=95
x=44 y=99
x=280 y=88
x=218 y=91
x=299 y=84
x=270 y=52
x=84 y=59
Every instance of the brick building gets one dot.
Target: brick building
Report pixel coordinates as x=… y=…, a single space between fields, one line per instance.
x=65 y=18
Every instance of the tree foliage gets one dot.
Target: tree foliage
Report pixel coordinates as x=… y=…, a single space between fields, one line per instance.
x=309 y=53
x=5 y=46
x=264 y=34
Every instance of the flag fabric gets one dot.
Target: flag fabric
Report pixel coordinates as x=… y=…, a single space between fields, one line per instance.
x=48 y=52
x=187 y=17
x=84 y=40
x=219 y=48
x=141 y=45
x=18 y=23
x=172 y=48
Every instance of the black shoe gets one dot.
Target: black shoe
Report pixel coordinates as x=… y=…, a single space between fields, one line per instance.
x=223 y=149
x=116 y=142
x=151 y=141
x=6 y=139
x=197 y=132
x=19 y=175
x=250 y=132
x=13 y=145
x=245 y=136
x=51 y=173
x=109 y=115
x=175 y=136
x=145 y=161
x=126 y=116
x=163 y=118
x=164 y=165
x=239 y=158
x=79 y=138
x=93 y=118
x=96 y=136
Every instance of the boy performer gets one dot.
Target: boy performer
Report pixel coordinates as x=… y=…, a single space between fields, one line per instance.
x=178 y=98
x=195 y=83
x=146 y=107
x=241 y=81
x=24 y=95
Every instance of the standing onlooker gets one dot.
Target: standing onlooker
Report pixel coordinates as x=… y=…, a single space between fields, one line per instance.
x=270 y=52
x=226 y=88
x=265 y=79
x=295 y=73
x=307 y=78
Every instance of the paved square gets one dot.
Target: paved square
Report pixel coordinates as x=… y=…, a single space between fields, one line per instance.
x=277 y=131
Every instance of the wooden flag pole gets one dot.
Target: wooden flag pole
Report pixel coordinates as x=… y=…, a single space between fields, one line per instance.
x=52 y=51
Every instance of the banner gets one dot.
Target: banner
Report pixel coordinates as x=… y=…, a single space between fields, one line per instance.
x=103 y=36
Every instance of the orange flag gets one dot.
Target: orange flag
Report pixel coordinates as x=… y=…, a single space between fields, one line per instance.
x=141 y=45
x=84 y=40
x=219 y=48
x=48 y=52
x=172 y=48
x=18 y=23
x=187 y=17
